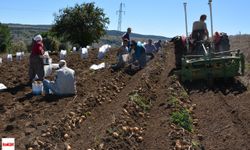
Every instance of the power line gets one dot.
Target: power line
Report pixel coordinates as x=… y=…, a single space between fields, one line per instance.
x=120 y=11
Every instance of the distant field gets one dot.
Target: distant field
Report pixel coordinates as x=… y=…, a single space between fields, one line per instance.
x=26 y=32
x=241 y=42
x=113 y=37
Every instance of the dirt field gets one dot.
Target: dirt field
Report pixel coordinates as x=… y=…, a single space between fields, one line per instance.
x=117 y=110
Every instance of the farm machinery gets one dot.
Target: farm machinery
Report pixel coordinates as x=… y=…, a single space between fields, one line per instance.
x=209 y=65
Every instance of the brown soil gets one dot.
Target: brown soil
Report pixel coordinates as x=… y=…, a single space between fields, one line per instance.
x=104 y=115
x=223 y=115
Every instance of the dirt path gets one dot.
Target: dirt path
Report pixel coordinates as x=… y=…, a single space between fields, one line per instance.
x=156 y=135
x=104 y=116
x=95 y=126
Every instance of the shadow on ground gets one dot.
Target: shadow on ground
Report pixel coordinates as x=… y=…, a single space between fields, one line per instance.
x=229 y=86
x=54 y=98
x=14 y=90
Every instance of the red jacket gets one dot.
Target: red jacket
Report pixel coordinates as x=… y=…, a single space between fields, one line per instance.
x=217 y=38
x=37 y=49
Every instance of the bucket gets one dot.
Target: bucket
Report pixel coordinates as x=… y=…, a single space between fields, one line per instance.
x=1 y=60
x=37 y=87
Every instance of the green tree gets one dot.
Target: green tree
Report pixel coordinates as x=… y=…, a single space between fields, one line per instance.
x=5 y=37
x=50 y=42
x=18 y=46
x=82 y=24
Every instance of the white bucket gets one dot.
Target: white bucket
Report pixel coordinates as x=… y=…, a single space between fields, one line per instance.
x=9 y=57
x=1 y=60
x=37 y=87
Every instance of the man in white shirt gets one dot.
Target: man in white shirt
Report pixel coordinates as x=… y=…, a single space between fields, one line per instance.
x=149 y=47
x=64 y=83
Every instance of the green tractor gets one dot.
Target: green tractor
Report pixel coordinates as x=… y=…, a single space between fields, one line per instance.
x=225 y=64
x=210 y=65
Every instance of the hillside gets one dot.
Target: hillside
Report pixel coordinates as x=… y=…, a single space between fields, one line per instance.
x=26 y=32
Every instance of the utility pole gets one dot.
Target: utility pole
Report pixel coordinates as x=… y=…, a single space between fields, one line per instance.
x=211 y=18
x=185 y=10
x=120 y=11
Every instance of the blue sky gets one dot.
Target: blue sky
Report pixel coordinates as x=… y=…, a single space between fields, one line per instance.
x=158 y=17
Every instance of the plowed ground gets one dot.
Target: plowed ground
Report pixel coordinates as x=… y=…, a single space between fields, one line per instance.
x=117 y=110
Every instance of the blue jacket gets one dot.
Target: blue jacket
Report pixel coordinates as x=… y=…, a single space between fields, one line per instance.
x=139 y=50
x=140 y=54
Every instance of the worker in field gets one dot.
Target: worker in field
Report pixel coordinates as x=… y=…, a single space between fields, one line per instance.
x=150 y=49
x=127 y=36
x=36 y=59
x=221 y=42
x=64 y=83
x=200 y=31
x=180 y=49
x=139 y=55
x=158 y=45
x=199 y=36
x=216 y=40
x=122 y=56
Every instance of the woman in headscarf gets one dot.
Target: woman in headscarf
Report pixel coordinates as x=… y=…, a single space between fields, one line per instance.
x=36 y=59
